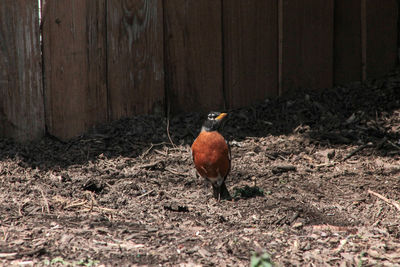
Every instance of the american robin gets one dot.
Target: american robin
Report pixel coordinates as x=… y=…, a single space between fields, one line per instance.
x=212 y=155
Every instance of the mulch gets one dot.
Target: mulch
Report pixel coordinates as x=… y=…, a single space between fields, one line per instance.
x=315 y=179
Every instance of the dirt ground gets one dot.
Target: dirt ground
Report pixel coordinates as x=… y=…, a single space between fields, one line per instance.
x=316 y=180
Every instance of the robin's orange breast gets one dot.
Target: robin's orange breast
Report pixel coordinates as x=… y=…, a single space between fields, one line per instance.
x=211 y=155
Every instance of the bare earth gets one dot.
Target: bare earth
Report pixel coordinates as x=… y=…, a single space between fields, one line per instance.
x=303 y=166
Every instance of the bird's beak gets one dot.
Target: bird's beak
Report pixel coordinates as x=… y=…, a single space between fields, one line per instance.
x=221 y=116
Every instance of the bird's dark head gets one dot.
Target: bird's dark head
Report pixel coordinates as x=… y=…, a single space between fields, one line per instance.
x=214 y=121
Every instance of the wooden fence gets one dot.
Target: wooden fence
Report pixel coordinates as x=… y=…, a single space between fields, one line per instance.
x=101 y=60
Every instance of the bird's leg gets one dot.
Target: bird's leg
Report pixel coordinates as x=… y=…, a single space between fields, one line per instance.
x=224 y=193
x=221 y=192
x=216 y=192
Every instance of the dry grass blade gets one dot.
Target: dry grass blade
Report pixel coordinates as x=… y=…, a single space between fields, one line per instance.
x=75 y=204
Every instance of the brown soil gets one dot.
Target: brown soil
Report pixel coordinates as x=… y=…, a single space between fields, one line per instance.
x=302 y=169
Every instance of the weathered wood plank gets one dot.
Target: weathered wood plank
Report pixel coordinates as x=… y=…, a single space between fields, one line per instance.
x=307 y=47
x=347 y=41
x=74 y=41
x=193 y=55
x=381 y=39
x=21 y=90
x=250 y=51
x=135 y=57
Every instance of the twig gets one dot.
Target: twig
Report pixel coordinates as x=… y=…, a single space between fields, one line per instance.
x=334 y=228
x=294 y=217
x=92 y=200
x=169 y=136
x=5 y=234
x=394 y=145
x=151 y=147
x=358 y=149
x=277 y=222
x=377 y=216
x=161 y=152
x=389 y=201
x=147 y=193
x=150 y=165
x=282 y=157
x=46 y=202
x=8 y=255
x=272 y=157
x=175 y=171
x=74 y=205
x=20 y=209
x=147 y=151
x=331 y=164
x=283 y=168
x=101 y=209
x=33 y=252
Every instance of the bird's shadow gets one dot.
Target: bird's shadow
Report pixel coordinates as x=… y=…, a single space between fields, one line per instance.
x=247 y=192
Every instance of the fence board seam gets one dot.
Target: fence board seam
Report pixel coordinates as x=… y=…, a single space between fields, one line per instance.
x=280 y=46
x=364 y=39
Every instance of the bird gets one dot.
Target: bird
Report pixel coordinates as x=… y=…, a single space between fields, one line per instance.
x=212 y=155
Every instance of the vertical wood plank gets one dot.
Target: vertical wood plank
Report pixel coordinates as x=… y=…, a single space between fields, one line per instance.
x=381 y=37
x=135 y=57
x=280 y=46
x=347 y=41
x=74 y=44
x=21 y=91
x=307 y=44
x=194 y=55
x=250 y=32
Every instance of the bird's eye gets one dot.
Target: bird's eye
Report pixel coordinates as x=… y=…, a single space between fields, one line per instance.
x=212 y=116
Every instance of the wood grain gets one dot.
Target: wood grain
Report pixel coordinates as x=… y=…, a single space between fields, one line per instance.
x=307 y=47
x=193 y=41
x=21 y=91
x=381 y=37
x=135 y=57
x=250 y=30
x=347 y=41
x=74 y=44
